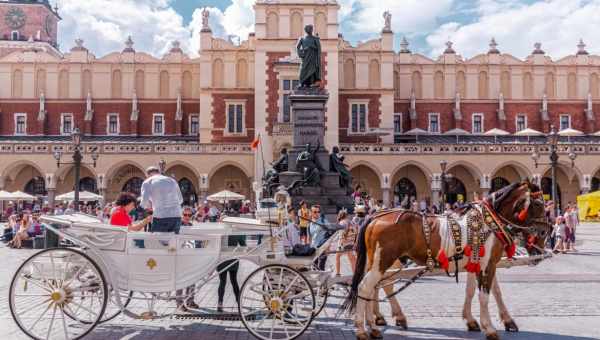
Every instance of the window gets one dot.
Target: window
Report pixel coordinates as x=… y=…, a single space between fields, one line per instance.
x=397 y=123
x=20 y=123
x=194 y=127
x=434 y=122
x=358 y=117
x=477 y=123
x=158 y=124
x=521 y=122
x=287 y=85
x=14 y=35
x=112 y=124
x=565 y=122
x=235 y=117
x=66 y=124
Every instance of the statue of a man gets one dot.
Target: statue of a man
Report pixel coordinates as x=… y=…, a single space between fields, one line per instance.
x=309 y=50
x=336 y=164
x=281 y=165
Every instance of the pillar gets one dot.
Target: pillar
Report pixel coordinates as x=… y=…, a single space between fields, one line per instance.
x=203 y=186
x=51 y=188
x=485 y=185
x=436 y=186
x=101 y=182
x=586 y=186
x=386 y=190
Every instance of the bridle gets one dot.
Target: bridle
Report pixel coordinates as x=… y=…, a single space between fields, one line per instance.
x=531 y=229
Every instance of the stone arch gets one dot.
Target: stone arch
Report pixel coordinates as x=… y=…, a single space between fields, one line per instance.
x=232 y=163
x=498 y=182
x=417 y=84
x=438 y=85
x=461 y=84
x=505 y=86
x=65 y=178
x=369 y=165
x=368 y=178
x=40 y=82
x=521 y=170
x=19 y=174
x=63 y=172
x=374 y=74
x=36 y=186
x=418 y=175
x=472 y=168
x=527 y=85
x=183 y=164
x=116 y=84
x=568 y=186
x=217 y=73
x=572 y=85
x=272 y=25
x=164 y=90
x=11 y=170
x=321 y=25
x=17 y=83
x=483 y=85
x=241 y=73
x=122 y=174
x=296 y=21
x=594 y=86
x=86 y=83
x=349 y=74
x=571 y=173
x=112 y=171
x=140 y=83
x=187 y=178
x=186 y=84
x=63 y=84
x=230 y=177
x=469 y=176
x=550 y=85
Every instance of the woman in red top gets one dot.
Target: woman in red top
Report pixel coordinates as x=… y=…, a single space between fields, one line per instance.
x=120 y=217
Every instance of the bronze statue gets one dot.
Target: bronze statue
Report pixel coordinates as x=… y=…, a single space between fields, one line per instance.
x=309 y=50
x=281 y=165
x=336 y=164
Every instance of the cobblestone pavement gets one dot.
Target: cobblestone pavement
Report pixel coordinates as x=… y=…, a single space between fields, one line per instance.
x=558 y=299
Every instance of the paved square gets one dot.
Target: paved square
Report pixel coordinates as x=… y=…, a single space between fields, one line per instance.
x=558 y=299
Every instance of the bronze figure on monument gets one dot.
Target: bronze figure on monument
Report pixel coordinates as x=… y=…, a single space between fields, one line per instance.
x=309 y=50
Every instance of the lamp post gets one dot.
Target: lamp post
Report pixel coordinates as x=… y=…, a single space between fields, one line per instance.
x=77 y=162
x=443 y=165
x=553 y=142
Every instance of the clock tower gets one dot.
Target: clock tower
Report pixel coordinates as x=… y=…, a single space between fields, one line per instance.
x=26 y=21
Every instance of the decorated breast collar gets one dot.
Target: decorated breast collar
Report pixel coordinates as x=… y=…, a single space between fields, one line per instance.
x=501 y=230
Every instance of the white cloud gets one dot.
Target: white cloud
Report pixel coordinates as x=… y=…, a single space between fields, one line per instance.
x=557 y=24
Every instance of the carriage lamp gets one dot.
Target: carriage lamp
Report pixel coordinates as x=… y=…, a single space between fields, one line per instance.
x=57 y=156
x=76 y=136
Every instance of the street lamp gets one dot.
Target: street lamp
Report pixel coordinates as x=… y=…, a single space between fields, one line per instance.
x=443 y=165
x=162 y=166
x=535 y=156
x=77 y=162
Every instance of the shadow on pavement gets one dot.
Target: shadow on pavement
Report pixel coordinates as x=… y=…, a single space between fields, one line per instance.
x=446 y=334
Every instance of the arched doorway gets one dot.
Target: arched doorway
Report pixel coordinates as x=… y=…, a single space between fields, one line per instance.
x=88 y=184
x=567 y=185
x=232 y=178
x=595 y=184
x=133 y=185
x=499 y=183
x=455 y=191
x=36 y=187
x=368 y=180
x=187 y=191
x=410 y=181
x=547 y=189
x=405 y=191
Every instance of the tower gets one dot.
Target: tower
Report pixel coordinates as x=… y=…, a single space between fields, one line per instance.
x=28 y=24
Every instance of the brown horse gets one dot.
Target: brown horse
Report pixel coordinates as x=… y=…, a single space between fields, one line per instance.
x=491 y=225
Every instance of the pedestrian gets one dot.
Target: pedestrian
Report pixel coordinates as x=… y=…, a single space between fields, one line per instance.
x=559 y=235
x=125 y=203
x=162 y=195
x=230 y=267
x=347 y=242
x=213 y=213
x=291 y=231
x=186 y=302
x=303 y=221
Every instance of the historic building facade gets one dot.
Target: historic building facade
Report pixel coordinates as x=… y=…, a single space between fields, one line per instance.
x=395 y=115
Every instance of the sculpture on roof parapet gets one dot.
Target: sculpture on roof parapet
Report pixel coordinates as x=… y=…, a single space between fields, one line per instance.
x=387 y=18
x=205 y=16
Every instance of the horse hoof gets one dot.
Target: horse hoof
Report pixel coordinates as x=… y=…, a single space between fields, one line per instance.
x=492 y=336
x=473 y=326
x=376 y=334
x=402 y=323
x=511 y=326
x=380 y=321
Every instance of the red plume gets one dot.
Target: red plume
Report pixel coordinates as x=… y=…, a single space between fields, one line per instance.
x=522 y=215
x=442 y=259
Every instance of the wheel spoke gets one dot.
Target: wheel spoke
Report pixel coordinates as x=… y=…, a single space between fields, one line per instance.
x=35 y=283
x=53 y=269
x=33 y=307
x=40 y=317
x=64 y=323
x=67 y=283
x=290 y=285
x=92 y=313
x=51 y=322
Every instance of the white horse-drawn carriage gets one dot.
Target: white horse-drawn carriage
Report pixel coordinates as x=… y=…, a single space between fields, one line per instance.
x=63 y=293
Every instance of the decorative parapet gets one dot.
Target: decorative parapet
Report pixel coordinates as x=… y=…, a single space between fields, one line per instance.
x=433 y=149
x=125 y=148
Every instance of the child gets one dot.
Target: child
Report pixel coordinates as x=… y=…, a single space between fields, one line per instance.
x=559 y=234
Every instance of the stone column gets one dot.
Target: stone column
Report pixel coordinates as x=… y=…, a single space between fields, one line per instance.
x=51 y=189
x=436 y=186
x=485 y=185
x=386 y=191
x=203 y=185
x=586 y=186
x=101 y=182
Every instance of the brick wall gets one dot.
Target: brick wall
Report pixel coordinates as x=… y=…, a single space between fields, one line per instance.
x=219 y=119
x=272 y=89
x=35 y=21
x=374 y=117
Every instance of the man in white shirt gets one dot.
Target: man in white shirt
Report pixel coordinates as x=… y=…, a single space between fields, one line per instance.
x=162 y=194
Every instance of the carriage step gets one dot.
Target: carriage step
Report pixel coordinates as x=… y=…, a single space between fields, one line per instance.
x=209 y=316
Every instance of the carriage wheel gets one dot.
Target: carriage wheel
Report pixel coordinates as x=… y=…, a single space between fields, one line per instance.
x=112 y=308
x=276 y=303
x=321 y=295
x=49 y=296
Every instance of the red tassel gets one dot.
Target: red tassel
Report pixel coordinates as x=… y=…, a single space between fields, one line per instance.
x=511 y=250
x=522 y=215
x=442 y=259
x=473 y=267
x=481 y=251
x=468 y=251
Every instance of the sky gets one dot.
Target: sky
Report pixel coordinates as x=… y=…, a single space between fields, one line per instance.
x=427 y=24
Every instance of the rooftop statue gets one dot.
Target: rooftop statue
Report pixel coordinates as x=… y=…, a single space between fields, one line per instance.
x=309 y=50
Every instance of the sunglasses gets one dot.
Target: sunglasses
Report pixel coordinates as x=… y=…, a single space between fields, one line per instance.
x=316 y=211
x=187 y=215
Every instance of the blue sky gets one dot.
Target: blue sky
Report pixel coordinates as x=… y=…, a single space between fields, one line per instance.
x=427 y=24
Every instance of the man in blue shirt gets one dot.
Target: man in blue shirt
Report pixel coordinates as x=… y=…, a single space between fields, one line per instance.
x=320 y=231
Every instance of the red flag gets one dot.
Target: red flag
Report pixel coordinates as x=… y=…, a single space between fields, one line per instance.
x=255 y=143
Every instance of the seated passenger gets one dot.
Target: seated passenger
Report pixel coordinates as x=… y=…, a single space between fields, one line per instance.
x=120 y=216
x=292 y=231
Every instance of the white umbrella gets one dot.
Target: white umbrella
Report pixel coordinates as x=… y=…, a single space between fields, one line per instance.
x=496 y=132
x=457 y=131
x=416 y=132
x=529 y=132
x=84 y=196
x=226 y=196
x=6 y=196
x=597 y=133
x=22 y=196
x=570 y=132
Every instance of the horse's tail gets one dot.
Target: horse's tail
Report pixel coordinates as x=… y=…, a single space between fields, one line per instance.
x=350 y=303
